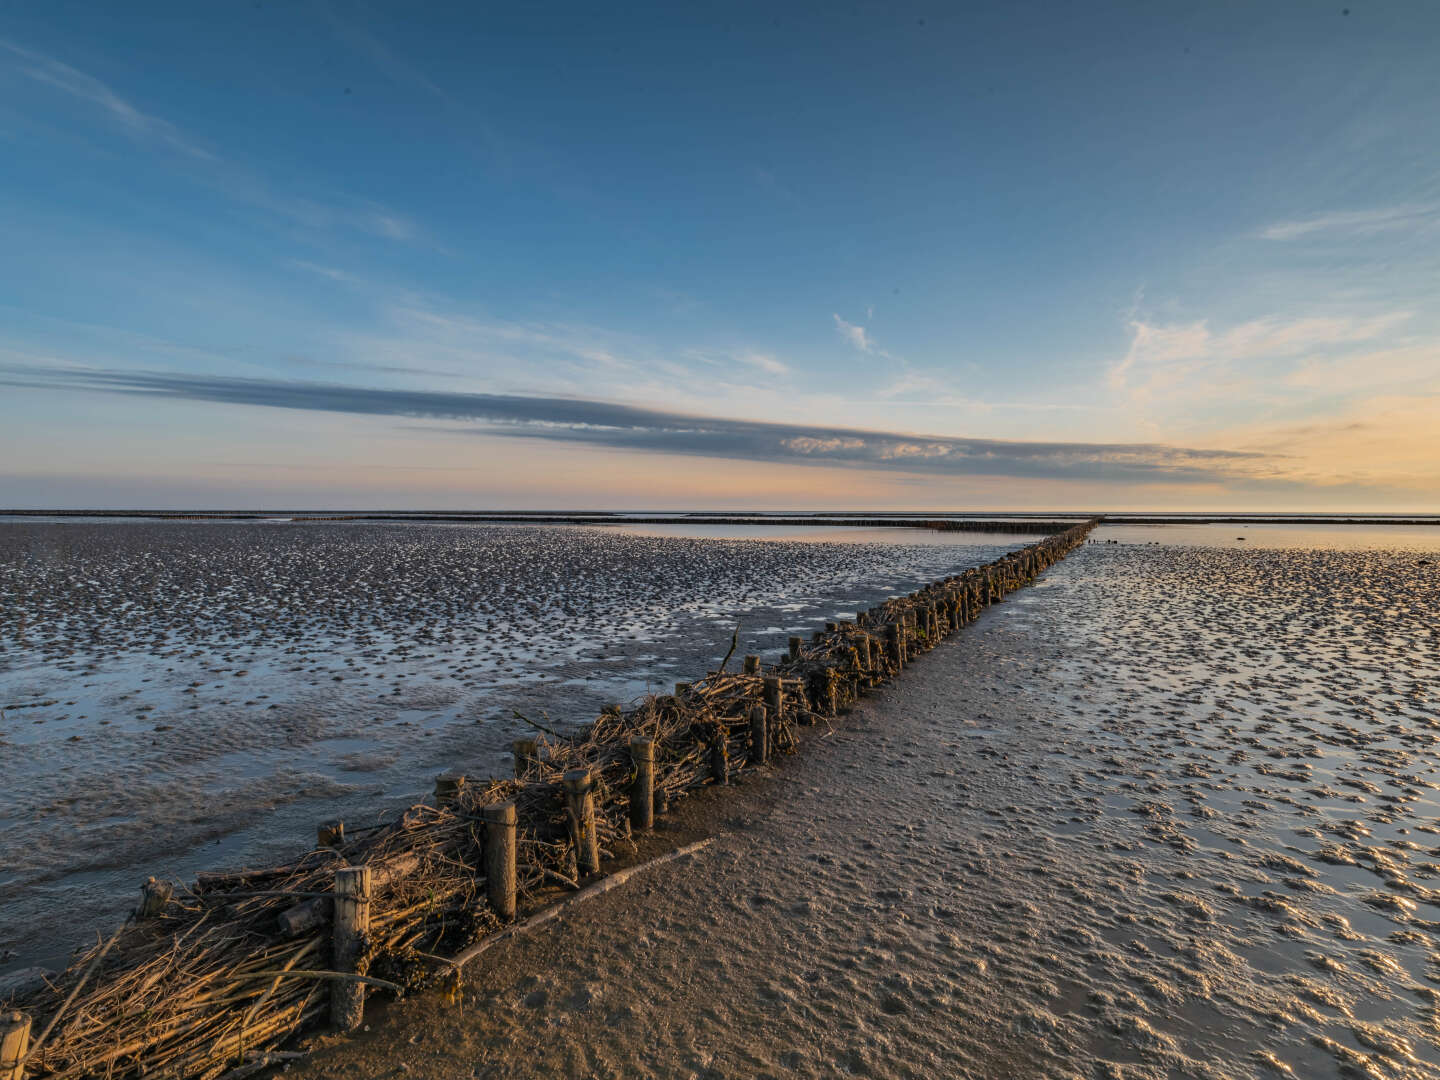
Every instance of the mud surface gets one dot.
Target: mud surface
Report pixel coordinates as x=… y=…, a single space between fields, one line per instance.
x=176 y=696
x=1171 y=813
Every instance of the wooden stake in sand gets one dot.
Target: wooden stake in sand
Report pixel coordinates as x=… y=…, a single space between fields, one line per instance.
x=896 y=645
x=795 y=644
x=154 y=895
x=14 y=1045
x=718 y=737
x=330 y=834
x=772 y=695
x=582 y=821
x=352 y=922
x=642 y=791
x=752 y=665
x=500 y=826
x=759 y=737
x=448 y=786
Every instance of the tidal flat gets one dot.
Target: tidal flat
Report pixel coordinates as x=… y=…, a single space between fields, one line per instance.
x=177 y=696
x=1170 y=813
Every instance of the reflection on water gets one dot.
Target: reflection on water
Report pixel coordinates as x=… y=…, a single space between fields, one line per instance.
x=1299 y=535
x=830 y=535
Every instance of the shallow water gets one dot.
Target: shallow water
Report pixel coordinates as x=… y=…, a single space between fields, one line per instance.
x=181 y=695
x=836 y=534
x=1298 y=534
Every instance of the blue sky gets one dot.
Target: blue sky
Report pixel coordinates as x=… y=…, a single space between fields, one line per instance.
x=1021 y=255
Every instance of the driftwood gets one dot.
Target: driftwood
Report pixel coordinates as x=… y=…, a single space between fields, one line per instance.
x=555 y=911
x=220 y=973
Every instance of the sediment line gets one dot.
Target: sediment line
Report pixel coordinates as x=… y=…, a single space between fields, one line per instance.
x=210 y=978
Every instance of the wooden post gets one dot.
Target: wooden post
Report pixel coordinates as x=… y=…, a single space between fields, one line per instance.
x=14 y=1045
x=448 y=786
x=896 y=644
x=772 y=696
x=795 y=644
x=500 y=822
x=581 y=808
x=719 y=752
x=681 y=689
x=527 y=753
x=330 y=834
x=154 y=895
x=832 y=692
x=759 y=736
x=752 y=665
x=642 y=791
x=352 y=926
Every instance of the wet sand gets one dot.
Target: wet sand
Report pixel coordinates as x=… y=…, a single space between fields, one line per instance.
x=1171 y=813
x=181 y=696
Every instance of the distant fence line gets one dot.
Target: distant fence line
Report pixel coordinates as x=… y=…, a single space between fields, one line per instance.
x=207 y=980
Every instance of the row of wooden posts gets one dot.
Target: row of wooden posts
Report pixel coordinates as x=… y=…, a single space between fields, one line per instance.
x=935 y=612
x=352 y=884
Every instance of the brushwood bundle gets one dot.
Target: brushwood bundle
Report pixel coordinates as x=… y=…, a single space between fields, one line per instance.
x=208 y=979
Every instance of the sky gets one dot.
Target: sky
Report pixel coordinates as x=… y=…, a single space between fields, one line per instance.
x=1030 y=256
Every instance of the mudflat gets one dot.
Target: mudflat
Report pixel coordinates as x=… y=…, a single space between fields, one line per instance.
x=186 y=696
x=1170 y=813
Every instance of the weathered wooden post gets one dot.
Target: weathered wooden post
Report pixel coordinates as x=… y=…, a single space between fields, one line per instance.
x=154 y=895
x=795 y=644
x=642 y=791
x=718 y=735
x=352 y=925
x=501 y=820
x=832 y=692
x=681 y=689
x=759 y=736
x=896 y=644
x=448 y=786
x=527 y=754
x=752 y=665
x=581 y=808
x=330 y=834
x=14 y=1045
x=772 y=696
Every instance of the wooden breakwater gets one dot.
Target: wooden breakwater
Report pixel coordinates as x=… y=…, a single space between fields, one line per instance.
x=208 y=979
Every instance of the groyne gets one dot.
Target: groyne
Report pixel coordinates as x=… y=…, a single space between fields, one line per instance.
x=208 y=979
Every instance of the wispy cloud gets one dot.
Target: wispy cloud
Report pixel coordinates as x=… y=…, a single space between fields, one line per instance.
x=87 y=88
x=630 y=427
x=856 y=335
x=343 y=277
x=1380 y=219
x=1171 y=355
x=770 y=365
x=230 y=178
